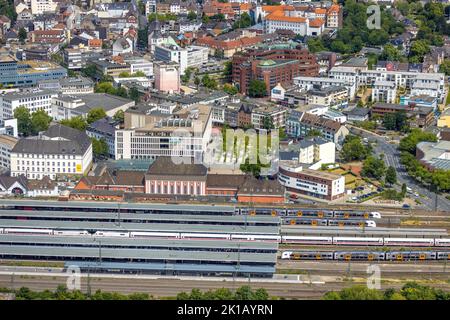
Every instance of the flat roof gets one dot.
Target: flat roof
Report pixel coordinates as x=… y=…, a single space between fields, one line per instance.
x=111 y=241
x=341 y=231
x=119 y=253
x=128 y=227
x=149 y=266
x=116 y=205
x=141 y=216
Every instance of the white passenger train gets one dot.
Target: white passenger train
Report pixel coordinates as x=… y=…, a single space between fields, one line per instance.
x=304 y=240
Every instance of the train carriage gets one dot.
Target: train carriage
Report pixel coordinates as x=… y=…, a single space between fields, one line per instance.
x=352 y=223
x=24 y=231
x=442 y=242
x=255 y=237
x=308 y=255
x=409 y=242
x=359 y=256
x=410 y=255
x=205 y=236
x=443 y=255
x=304 y=221
x=356 y=215
x=307 y=240
x=307 y=213
x=155 y=235
x=357 y=241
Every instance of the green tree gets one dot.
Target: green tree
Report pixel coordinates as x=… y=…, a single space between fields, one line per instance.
x=124 y=74
x=95 y=114
x=391 y=175
x=268 y=123
x=78 y=123
x=209 y=83
x=22 y=114
x=243 y=22
x=353 y=149
x=40 y=121
x=90 y=71
x=7 y=8
x=218 y=17
x=445 y=67
x=105 y=87
x=244 y=293
x=389 y=121
x=391 y=53
x=373 y=168
x=419 y=49
x=142 y=38
x=315 y=45
x=410 y=142
x=404 y=189
x=99 y=147
x=141 y=6
x=257 y=88
x=230 y=89
x=197 y=81
x=192 y=15
x=314 y=133
x=415 y=291
x=119 y=116
x=22 y=35
x=354 y=293
x=228 y=70
x=205 y=18
x=135 y=94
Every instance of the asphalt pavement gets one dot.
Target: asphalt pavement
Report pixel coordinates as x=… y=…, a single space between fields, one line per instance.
x=392 y=158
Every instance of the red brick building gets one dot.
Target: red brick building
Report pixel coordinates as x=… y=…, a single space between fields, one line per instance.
x=260 y=191
x=272 y=66
x=166 y=177
x=115 y=180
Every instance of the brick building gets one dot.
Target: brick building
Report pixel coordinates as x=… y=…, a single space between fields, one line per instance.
x=166 y=177
x=272 y=66
x=419 y=117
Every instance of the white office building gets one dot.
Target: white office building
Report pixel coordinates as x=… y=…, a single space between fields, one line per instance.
x=59 y=151
x=33 y=100
x=192 y=56
x=7 y=143
x=140 y=64
x=185 y=134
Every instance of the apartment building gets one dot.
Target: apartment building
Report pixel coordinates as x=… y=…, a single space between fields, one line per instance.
x=332 y=96
x=277 y=116
x=299 y=124
x=318 y=184
x=309 y=83
x=384 y=91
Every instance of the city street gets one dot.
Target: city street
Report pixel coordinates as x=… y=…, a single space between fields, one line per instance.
x=392 y=158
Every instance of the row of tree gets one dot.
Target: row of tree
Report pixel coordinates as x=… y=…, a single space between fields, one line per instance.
x=62 y=293
x=410 y=291
x=438 y=179
x=242 y=293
